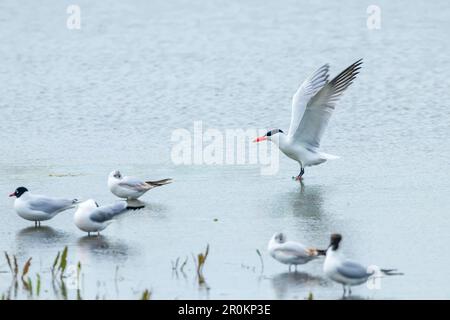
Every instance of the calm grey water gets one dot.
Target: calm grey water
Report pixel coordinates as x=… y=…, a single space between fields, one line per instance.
x=80 y=103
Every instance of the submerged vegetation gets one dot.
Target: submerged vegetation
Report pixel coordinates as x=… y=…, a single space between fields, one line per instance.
x=63 y=280
x=146 y=295
x=25 y=281
x=60 y=282
x=199 y=265
x=261 y=260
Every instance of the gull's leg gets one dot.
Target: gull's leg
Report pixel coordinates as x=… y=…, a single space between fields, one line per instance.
x=98 y=233
x=343 y=288
x=289 y=268
x=295 y=268
x=35 y=224
x=39 y=223
x=349 y=290
x=89 y=234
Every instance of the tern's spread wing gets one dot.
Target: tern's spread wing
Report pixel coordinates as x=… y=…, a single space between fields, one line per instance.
x=320 y=107
x=49 y=205
x=304 y=93
x=134 y=184
x=352 y=270
x=105 y=213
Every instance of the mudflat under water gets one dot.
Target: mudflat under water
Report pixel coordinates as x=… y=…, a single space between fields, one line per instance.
x=76 y=104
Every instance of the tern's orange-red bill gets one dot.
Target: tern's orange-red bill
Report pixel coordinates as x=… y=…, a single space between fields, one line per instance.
x=259 y=139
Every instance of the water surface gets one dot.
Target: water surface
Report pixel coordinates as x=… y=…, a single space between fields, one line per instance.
x=81 y=103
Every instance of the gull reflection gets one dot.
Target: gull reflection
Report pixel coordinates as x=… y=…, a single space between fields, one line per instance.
x=139 y=206
x=353 y=297
x=295 y=283
x=135 y=204
x=44 y=233
x=156 y=207
x=30 y=240
x=101 y=248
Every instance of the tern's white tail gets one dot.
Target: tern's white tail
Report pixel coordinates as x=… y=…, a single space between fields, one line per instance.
x=327 y=156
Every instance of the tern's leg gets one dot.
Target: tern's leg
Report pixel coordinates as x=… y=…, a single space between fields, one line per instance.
x=39 y=223
x=343 y=288
x=349 y=290
x=289 y=268
x=98 y=233
x=302 y=172
x=89 y=234
x=35 y=224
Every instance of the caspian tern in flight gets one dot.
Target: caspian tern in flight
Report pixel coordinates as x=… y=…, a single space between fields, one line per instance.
x=312 y=107
x=290 y=252
x=38 y=208
x=347 y=272
x=90 y=217
x=131 y=188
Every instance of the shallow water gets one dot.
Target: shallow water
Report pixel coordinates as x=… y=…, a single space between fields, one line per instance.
x=77 y=104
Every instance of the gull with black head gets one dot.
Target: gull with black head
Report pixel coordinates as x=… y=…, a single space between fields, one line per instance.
x=37 y=208
x=347 y=272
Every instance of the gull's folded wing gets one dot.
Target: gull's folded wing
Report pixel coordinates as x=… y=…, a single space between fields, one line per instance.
x=105 y=213
x=49 y=205
x=134 y=184
x=352 y=270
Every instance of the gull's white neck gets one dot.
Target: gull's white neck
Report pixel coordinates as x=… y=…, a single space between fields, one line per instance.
x=333 y=255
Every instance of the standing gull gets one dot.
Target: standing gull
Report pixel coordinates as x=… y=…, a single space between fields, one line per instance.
x=131 y=188
x=290 y=252
x=90 y=217
x=347 y=272
x=312 y=106
x=38 y=208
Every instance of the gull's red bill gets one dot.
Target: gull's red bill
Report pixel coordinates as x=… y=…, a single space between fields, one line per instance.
x=259 y=139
